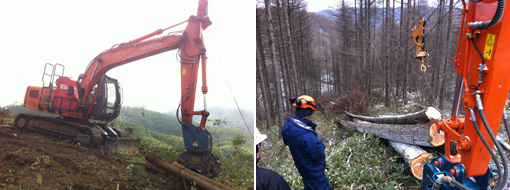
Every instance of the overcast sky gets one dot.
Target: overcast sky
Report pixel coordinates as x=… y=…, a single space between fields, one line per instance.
x=319 y=5
x=72 y=33
x=314 y=5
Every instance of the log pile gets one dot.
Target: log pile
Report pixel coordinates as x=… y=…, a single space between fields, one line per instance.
x=406 y=133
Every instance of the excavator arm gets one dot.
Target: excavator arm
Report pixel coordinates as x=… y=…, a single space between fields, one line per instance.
x=482 y=87
x=192 y=49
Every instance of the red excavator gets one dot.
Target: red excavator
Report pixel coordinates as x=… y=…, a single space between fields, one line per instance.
x=482 y=87
x=87 y=105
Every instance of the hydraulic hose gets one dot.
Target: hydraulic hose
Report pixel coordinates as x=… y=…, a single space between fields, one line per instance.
x=505 y=121
x=473 y=119
x=484 y=25
x=501 y=183
x=459 y=185
x=454 y=183
x=495 y=19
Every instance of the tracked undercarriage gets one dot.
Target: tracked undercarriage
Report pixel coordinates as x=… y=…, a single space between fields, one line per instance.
x=83 y=132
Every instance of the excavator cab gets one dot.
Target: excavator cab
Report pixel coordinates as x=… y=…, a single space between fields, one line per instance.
x=108 y=101
x=106 y=108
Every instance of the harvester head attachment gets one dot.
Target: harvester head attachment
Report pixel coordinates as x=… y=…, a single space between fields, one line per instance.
x=206 y=164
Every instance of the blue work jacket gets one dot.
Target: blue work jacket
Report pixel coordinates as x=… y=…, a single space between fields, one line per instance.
x=270 y=180
x=307 y=151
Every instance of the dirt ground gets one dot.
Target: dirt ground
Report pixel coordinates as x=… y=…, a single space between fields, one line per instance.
x=31 y=161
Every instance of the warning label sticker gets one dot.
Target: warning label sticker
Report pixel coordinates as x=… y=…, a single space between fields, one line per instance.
x=489 y=45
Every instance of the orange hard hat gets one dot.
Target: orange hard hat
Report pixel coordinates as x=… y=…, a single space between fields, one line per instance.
x=304 y=101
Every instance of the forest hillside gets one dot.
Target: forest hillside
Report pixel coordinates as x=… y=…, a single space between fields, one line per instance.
x=361 y=58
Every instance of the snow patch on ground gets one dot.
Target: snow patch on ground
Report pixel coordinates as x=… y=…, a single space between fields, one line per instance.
x=378 y=106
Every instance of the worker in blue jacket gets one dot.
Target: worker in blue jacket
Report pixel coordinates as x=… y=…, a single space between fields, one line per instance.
x=305 y=144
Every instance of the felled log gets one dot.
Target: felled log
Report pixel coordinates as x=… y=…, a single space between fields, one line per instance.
x=180 y=171
x=152 y=168
x=502 y=141
x=425 y=134
x=414 y=156
x=424 y=116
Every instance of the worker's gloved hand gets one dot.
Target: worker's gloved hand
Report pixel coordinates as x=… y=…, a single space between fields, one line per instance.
x=320 y=137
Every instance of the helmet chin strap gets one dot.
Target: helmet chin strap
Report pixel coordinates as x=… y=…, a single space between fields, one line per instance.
x=259 y=152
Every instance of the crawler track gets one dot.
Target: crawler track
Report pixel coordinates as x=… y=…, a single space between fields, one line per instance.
x=84 y=133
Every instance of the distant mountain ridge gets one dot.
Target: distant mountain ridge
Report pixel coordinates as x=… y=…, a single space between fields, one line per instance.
x=330 y=13
x=168 y=123
x=155 y=121
x=231 y=115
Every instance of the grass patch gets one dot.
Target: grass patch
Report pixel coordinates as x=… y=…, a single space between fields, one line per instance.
x=366 y=162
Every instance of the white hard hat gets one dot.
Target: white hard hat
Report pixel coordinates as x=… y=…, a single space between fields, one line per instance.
x=259 y=137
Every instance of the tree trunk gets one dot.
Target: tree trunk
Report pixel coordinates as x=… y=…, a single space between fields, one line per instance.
x=387 y=63
x=401 y=51
x=414 y=156
x=405 y=54
x=282 y=54
x=262 y=74
x=447 y=52
x=292 y=66
x=370 y=54
x=424 y=116
x=276 y=66
x=357 y=43
x=419 y=134
x=181 y=171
